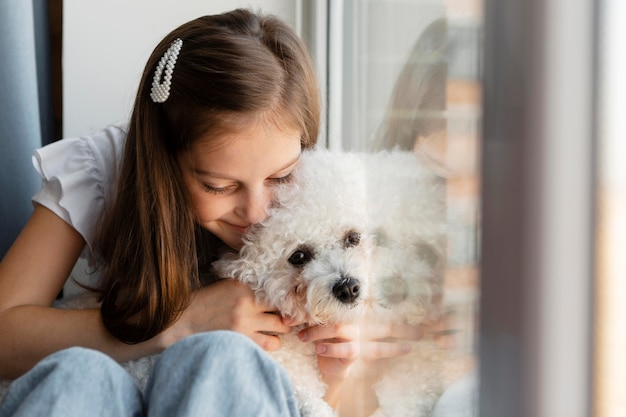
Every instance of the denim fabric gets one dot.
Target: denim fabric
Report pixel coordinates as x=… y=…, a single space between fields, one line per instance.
x=460 y=400
x=218 y=373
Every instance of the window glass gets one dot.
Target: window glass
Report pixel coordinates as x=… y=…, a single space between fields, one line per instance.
x=610 y=344
x=410 y=81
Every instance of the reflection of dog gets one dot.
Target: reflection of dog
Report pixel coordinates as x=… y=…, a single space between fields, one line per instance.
x=310 y=260
x=407 y=215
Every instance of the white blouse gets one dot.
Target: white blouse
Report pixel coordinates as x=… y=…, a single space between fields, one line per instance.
x=79 y=176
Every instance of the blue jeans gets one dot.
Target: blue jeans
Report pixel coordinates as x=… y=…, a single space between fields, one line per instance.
x=217 y=373
x=460 y=400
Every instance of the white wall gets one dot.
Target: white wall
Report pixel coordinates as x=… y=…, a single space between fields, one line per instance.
x=106 y=45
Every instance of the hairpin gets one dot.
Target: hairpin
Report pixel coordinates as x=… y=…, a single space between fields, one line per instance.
x=161 y=89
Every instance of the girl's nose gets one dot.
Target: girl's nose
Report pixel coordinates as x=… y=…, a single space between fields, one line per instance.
x=255 y=205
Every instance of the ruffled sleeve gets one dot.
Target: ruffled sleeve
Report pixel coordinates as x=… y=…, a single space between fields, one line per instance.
x=79 y=177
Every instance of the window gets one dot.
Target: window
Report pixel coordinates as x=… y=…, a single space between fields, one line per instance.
x=528 y=137
x=407 y=75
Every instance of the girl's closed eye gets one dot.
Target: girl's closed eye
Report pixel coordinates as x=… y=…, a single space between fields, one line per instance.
x=217 y=190
x=213 y=189
x=282 y=180
x=224 y=190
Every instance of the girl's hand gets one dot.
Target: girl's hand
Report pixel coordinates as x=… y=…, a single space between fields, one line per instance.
x=389 y=339
x=228 y=305
x=337 y=347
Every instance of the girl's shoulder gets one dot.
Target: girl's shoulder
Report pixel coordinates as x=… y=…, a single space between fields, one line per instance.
x=79 y=176
x=102 y=149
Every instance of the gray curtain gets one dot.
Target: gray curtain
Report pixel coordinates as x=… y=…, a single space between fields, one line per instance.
x=26 y=118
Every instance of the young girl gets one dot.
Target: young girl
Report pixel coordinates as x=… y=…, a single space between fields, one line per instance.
x=225 y=106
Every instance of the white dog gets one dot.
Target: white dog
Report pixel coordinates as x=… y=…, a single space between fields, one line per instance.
x=310 y=260
x=353 y=235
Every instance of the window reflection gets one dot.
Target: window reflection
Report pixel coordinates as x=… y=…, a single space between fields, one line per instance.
x=431 y=107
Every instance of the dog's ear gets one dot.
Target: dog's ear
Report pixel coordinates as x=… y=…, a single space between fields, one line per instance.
x=236 y=266
x=429 y=253
x=229 y=266
x=222 y=267
x=433 y=255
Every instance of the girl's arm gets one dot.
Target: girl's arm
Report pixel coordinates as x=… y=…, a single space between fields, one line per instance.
x=33 y=273
x=31 y=276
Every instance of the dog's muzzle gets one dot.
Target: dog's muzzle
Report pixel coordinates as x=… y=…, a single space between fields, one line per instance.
x=347 y=290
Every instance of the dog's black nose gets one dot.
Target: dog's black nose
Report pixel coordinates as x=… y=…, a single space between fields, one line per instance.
x=347 y=290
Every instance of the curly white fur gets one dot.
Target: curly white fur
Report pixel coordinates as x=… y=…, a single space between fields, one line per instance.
x=308 y=217
x=322 y=216
x=395 y=205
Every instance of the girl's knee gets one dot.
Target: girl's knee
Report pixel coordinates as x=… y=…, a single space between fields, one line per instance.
x=218 y=337
x=77 y=353
x=222 y=342
x=212 y=350
x=74 y=379
x=78 y=356
x=81 y=364
x=207 y=368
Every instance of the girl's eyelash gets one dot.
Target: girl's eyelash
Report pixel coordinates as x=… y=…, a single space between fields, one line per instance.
x=223 y=190
x=214 y=190
x=282 y=180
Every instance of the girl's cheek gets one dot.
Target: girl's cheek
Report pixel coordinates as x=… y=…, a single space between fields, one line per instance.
x=211 y=208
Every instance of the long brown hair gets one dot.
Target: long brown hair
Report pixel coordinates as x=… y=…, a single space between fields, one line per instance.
x=232 y=68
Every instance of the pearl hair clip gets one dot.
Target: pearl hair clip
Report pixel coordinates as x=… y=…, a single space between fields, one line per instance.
x=161 y=89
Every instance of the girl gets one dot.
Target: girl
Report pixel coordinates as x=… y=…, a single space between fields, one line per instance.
x=225 y=106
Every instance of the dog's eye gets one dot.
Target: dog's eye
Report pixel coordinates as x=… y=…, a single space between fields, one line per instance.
x=300 y=258
x=352 y=239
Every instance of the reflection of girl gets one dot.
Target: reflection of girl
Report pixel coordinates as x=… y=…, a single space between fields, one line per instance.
x=415 y=121
x=417 y=104
x=224 y=108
